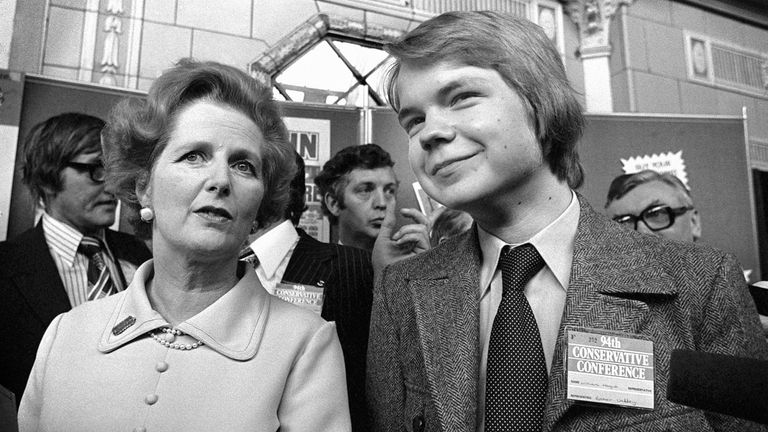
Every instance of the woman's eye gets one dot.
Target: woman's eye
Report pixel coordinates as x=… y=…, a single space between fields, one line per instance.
x=245 y=167
x=193 y=156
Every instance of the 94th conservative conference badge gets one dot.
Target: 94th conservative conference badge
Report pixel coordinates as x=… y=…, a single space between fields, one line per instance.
x=610 y=368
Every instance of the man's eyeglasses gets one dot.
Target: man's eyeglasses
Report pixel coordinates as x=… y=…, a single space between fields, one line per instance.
x=656 y=218
x=95 y=170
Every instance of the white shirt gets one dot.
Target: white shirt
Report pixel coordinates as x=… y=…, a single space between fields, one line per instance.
x=274 y=249
x=63 y=241
x=545 y=292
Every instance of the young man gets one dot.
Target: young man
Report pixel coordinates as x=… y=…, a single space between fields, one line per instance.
x=289 y=258
x=48 y=269
x=475 y=335
x=357 y=185
x=654 y=203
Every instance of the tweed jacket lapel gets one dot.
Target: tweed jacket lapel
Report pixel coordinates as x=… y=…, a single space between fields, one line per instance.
x=446 y=299
x=608 y=289
x=37 y=278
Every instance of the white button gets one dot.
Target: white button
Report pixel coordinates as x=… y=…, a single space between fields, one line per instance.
x=150 y=399
x=161 y=366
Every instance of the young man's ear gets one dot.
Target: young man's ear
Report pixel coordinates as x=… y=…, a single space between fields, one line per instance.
x=695 y=225
x=334 y=206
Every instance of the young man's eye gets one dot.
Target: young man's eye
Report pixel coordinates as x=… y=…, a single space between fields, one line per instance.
x=412 y=123
x=462 y=97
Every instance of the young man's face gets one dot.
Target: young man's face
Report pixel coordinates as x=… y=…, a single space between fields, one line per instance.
x=82 y=203
x=686 y=227
x=471 y=142
x=366 y=197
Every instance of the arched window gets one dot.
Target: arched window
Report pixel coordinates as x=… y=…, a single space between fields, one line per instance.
x=329 y=61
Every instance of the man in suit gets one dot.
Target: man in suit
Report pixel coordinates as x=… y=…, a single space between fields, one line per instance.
x=357 y=186
x=286 y=256
x=476 y=334
x=46 y=271
x=654 y=203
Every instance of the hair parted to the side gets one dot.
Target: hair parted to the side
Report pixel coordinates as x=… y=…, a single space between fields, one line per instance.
x=624 y=183
x=51 y=144
x=138 y=130
x=333 y=178
x=526 y=59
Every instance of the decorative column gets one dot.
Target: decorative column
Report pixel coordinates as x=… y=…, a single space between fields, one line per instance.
x=113 y=26
x=593 y=18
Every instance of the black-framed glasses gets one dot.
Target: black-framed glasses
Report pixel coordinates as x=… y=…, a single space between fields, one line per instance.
x=96 y=171
x=655 y=217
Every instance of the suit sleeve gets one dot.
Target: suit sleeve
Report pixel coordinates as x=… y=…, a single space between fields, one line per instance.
x=385 y=388
x=730 y=326
x=32 y=400
x=315 y=396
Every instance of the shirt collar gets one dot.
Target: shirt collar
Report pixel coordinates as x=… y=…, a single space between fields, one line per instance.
x=273 y=246
x=554 y=243
x=63 y=239
x=232 y=326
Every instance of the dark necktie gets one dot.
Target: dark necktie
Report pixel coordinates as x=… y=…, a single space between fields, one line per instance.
x=249 y=256
x=99 y=279
x=516 y=374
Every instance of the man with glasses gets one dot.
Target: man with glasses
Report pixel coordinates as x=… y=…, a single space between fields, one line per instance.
x=654 y=203
x=70 y=257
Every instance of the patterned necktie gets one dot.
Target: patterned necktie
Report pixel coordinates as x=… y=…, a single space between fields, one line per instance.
x=100 y=283
x=516 y=380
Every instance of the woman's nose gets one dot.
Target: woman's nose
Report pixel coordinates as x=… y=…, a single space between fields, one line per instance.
x=219 y=179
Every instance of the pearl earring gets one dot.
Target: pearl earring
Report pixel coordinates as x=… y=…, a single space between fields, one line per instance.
x=146 y=214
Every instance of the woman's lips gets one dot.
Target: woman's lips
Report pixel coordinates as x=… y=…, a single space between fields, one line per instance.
x=216 y=214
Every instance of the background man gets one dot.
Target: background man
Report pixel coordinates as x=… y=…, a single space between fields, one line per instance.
x=288 y=255
x=70 y=256
x=357 y=185
x=654 y=203
x=472 y=335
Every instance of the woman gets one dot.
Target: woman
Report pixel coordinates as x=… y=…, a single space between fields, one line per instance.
x=190 y=345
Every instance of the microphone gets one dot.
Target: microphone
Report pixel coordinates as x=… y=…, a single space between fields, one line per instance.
x=735 y=386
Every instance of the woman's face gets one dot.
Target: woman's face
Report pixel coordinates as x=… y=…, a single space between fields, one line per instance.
x=206 y=186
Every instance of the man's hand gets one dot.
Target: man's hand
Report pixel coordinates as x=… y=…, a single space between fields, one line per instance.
x=392 y=246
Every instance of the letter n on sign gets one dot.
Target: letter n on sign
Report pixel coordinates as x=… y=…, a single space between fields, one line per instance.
x=307 y=144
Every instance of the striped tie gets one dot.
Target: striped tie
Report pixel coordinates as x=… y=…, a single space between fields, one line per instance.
x=100 y=283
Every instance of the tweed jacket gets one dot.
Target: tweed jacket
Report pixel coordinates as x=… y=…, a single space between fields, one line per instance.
x=265 y=365
x=423 y=358
x=347 y=276
x=32 y=295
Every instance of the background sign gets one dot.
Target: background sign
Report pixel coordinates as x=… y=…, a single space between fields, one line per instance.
x=312 y=140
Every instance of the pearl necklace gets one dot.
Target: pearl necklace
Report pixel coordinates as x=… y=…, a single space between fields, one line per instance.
x=169 y=336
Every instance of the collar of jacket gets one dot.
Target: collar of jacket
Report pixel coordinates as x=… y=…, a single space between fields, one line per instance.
x=233 y=325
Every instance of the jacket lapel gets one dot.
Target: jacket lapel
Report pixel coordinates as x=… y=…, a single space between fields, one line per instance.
x=37 y=278
x=610 y=285
x=307 y=265
x=446 y=298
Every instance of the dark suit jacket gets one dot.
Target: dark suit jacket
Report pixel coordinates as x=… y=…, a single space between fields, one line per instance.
x=32 y=294
x=347 y=276
x=424 y=351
